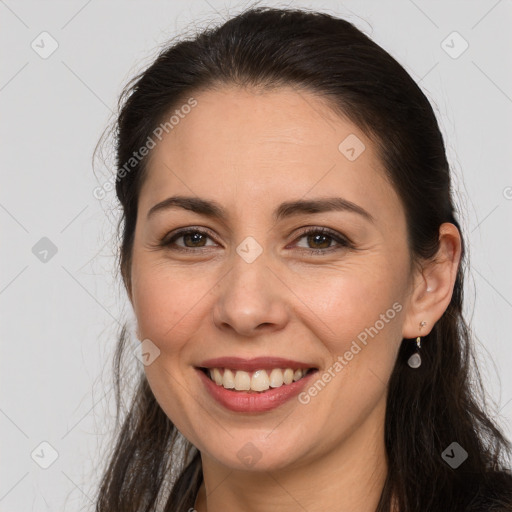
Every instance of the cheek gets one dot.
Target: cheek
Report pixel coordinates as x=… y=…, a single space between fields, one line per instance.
x=357 y=316
x=336 y=303
x=166 y=301
x=349 y=298
x=167 y=306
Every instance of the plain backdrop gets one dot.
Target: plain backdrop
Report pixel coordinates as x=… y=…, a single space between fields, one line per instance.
x=60 y=297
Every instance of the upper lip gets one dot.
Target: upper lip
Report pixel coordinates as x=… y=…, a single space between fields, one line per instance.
x=258 y=363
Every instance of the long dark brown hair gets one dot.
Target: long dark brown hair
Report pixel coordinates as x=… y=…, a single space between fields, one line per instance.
x=151 y=466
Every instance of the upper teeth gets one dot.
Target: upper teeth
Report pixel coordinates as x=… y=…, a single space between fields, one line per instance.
x=260 y=380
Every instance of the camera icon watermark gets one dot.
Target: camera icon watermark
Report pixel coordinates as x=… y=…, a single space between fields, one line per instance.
x=249 y=454
x=44 y=45
x=249 y=249
x=44 y=250
x=454 y=45
x=44 y=454
x=454 y=455
x=147 y=352
x=351 y=147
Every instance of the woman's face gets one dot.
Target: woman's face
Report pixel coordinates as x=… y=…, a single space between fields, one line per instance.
x=251 y=284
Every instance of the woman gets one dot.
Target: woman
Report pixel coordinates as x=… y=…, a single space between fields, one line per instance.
x=295 y=265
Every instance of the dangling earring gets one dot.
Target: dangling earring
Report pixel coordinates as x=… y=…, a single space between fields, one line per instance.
x=415 y=360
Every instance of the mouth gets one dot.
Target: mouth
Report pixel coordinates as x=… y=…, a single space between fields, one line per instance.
x=255 y=381
x=254 y=386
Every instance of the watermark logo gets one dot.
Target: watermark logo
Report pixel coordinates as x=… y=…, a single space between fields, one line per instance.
x=454 y=45
x=342 y=360
x=44 y=454
x=351 y=147
x=249 y=249
x=147 y=352
x=249 y=454
x=454 y=455
x=158 y=133
x=44 y=250
x=44 y=45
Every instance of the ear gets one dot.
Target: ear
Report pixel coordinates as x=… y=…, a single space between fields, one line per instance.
x=432 y=287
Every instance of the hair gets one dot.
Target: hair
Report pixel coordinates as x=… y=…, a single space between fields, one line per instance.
x=428 y=408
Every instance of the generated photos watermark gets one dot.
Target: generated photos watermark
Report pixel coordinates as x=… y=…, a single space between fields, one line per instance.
x=342 y=360
x=101 y=191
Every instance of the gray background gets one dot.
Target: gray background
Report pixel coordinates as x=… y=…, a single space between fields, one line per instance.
x=60 y=316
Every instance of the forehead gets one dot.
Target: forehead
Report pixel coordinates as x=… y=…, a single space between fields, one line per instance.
x=248 y=147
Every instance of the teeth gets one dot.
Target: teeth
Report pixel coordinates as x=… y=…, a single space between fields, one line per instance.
x=217 y=377
x=242 y=381
x=260 y=380
x=228 y=380
x=297 y=375
x=288 y=376
x=276 y=378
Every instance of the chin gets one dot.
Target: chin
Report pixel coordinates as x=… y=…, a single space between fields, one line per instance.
x=257 y=451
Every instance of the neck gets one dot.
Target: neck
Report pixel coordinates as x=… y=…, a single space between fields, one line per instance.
x=349 y=477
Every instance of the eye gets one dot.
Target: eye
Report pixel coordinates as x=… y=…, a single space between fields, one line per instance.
x=321 y=239
x=192 y=238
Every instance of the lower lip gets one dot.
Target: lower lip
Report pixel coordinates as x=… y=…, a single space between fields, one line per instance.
x=239 y=401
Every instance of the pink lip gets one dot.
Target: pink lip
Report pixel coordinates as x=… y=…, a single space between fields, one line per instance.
x=240 y=401
x=258 y=363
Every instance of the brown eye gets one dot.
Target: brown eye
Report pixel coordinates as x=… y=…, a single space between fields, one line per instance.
x=192 y=239
x=319 y=241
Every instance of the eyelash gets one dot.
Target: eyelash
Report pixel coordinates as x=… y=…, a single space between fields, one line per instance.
x=342 y=241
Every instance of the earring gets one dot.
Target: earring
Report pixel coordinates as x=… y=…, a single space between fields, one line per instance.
x=415 y=360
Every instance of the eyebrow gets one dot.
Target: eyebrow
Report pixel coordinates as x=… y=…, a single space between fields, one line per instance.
x=287 y=209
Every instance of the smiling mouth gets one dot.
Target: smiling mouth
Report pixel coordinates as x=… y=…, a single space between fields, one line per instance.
x=257 y=381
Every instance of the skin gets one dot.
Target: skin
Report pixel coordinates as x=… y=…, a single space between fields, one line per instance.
x=249 y=151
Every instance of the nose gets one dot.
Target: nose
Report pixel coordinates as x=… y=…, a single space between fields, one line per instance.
x=251 y=299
